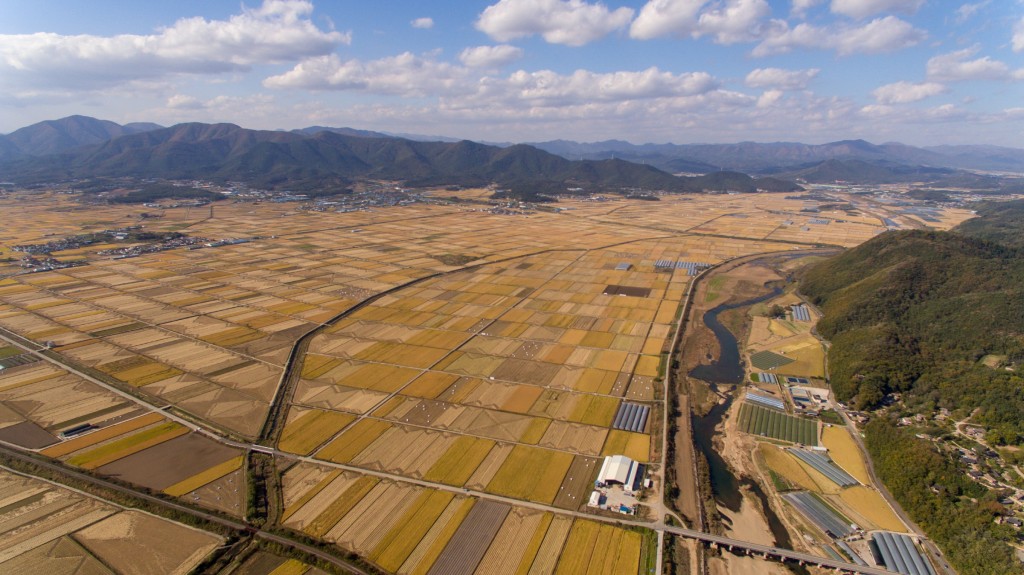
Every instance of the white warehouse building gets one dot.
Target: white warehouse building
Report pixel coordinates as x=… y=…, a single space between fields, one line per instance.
x=619 y=469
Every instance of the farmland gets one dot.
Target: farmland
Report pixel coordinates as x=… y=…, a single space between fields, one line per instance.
x=46 y=526
x=766 y=422
x=483 y=356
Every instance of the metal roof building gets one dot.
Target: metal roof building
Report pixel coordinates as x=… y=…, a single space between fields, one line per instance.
x=619 y=469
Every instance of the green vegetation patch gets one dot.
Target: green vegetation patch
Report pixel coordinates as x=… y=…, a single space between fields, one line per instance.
x=768 y=360
x=773 y=424
x=9 y=351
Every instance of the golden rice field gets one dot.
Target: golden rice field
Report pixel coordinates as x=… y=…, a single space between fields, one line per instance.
x=844 y=451
x=494 y=378
x=531 y=473
x=311 y=428
x=134 y=443
x=210 y=475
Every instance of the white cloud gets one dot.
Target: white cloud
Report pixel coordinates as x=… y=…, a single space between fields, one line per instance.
x=801 y=6
x=583 y=85
x=736 y=21
x=906 y=92
x=666 y=17
x=542 y=92
x=769 y=98
x=183 y=102
x=405 y=74
x=966 y=11
x=865 y=8
x=423 y=23
x=880 y=35
x=727 y=21
x=781 y=79
x=276 y=32
x=490 y=56
x=958 y=67
x=569 y=22
x=1018 y=36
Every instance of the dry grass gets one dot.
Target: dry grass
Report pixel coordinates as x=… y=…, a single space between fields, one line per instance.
x=459 y=462
x=430 y=384
x=636 y=446
x=869 y=504
x=531 y=473
x=128 y=445
x=595 y=410
x=72 y=445
x=533 y=434
x=575 y=558
x=354 y=440
x=844 y=451
x=338 y=508
x=434 y=542
x=210 y=475
x=312 y=428
x=395 y=547
x=787 y=467
x=290 y=509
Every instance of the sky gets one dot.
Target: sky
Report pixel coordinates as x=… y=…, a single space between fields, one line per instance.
x=920 y=72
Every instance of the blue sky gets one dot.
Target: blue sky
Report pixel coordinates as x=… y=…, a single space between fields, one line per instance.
x=922 y=72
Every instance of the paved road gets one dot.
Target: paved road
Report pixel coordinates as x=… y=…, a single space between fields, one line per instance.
x=735 y=544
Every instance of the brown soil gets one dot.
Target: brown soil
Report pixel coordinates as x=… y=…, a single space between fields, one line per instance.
x=578 y=483
x=170 y=462
x=28 y=435
x=467 y=547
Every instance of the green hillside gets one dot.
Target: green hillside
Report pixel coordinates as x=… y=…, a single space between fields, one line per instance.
x=922 y=314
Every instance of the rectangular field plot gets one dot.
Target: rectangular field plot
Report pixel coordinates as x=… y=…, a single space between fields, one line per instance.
x=470 y=542
x=47 y=528
x=531 y=473
x=599 y=548
x=820 y=513
x=765 y=422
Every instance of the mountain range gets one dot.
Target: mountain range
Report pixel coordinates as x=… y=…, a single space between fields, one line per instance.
x=779 y=157
x=318 y=156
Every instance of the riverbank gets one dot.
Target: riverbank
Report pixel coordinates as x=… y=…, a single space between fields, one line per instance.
x=743 y=503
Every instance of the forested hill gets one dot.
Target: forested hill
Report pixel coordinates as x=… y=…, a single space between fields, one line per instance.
x=937 y=317
x=916 y=312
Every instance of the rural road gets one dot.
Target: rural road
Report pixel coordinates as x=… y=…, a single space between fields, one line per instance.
x=661 y=528
x=237 y=525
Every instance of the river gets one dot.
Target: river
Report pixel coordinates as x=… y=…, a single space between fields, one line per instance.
x=728 y=370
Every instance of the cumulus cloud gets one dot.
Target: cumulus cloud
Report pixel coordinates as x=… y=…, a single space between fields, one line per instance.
x=584 y=85
x=959 y=66
x=183 y=102
x=1018 y=36
x=769 y=98
x=880 y=35
x=405 y=75
x=490 y=56
x=736 y=21
x=802 y=6
x=423 y=23
x=906 y=92
x=569 y=22
x=865 y=8
x=666 y=17
x=276 y=32
x=780 y=79
x=728 y=21
x=462 y=87
x=966 y=11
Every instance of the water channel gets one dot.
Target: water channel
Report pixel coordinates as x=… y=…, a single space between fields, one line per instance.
x=728 y=371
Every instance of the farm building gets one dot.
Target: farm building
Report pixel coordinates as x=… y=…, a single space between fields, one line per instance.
x=619 y=469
